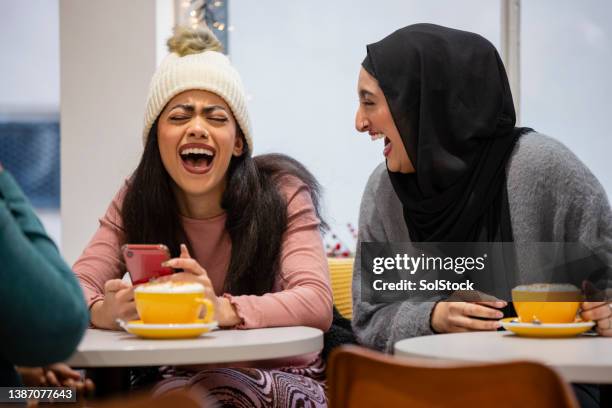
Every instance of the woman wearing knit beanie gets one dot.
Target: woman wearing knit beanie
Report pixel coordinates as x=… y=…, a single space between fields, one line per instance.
x=247 y=228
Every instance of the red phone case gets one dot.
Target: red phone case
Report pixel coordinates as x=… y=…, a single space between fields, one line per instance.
x=144 y=262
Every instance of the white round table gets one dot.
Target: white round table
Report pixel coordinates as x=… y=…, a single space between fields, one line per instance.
x=105 y=348
x=583 y=359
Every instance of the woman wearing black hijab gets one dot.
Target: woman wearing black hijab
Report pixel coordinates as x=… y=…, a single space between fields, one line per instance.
x=458 y=170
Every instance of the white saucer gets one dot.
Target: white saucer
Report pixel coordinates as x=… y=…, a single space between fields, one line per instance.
x=546 y=329
x=167 y=331
x=169 y=326
x=574 y=325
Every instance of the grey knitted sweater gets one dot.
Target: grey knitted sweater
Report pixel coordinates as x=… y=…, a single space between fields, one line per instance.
x=552 y=195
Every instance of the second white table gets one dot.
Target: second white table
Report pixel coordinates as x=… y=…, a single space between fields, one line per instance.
x=583 y=359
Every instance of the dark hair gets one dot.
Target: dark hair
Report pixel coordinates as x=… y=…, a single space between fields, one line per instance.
x=256 y=212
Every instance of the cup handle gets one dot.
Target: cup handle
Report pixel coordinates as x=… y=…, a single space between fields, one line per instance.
x=210 y=309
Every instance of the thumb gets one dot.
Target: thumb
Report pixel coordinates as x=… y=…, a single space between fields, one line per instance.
x=114 y=285
x=184 y=251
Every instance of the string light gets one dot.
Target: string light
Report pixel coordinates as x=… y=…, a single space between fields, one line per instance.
x=195 y=13
x=201 y=11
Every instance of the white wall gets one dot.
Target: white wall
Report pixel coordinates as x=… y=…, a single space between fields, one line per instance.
x=108 y=55
x=29 y=70
x=566 y=86
x=29 y=50
x=300 y=60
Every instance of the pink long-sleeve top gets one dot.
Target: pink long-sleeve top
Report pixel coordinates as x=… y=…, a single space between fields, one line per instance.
x=301 y=294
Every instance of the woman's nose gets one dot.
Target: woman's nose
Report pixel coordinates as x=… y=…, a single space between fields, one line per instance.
x=361 y=124
x=198 y=129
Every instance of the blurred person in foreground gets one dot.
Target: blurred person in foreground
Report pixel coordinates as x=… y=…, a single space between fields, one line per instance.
x=43 y=311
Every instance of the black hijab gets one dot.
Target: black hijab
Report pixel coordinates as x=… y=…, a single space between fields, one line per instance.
x=449 y=96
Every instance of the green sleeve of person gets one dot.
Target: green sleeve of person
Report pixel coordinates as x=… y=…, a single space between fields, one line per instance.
x=43 y=311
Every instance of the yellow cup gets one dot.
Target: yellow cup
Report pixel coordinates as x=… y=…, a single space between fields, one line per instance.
x=171 y=302
x=546 y=303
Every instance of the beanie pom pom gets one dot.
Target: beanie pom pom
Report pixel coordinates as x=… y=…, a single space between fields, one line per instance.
x=186 y=41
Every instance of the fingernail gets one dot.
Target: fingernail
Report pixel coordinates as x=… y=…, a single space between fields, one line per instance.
x=167 y=263
x=499 y=315
x=498 y=325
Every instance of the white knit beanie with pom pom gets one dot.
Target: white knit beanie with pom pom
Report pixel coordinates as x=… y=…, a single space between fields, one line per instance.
x=195 y=62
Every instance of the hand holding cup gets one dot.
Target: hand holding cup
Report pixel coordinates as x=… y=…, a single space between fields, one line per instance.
x=118 y=303
x=597 y=308
x=467 y=312
x=192 y=272
x=600 y=313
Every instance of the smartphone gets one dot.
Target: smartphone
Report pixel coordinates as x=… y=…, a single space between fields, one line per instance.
x=144 y=262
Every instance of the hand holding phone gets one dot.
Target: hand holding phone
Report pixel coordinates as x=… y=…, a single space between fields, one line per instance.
x=144 y=262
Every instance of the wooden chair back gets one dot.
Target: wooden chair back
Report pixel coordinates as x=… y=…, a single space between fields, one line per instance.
x=359 y=377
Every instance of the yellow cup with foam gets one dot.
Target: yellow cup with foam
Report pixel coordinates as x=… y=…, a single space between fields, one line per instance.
x=172 y=302
x=546 y=302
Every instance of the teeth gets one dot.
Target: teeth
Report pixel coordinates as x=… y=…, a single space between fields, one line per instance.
x=197 y=151
x=377 y=136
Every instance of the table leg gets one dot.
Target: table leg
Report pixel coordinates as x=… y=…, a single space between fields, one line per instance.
x=110 y=381
x=605 y=395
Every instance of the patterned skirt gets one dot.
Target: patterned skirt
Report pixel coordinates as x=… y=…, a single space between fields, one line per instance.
x=288 y=387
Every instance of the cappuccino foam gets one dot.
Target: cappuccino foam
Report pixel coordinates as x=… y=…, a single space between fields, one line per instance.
x=547 y=287
x=170 y=287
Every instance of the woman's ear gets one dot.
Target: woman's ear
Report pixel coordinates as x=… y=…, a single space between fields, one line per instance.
x=238 y=145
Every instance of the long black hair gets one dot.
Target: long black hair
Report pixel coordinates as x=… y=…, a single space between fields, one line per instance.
x=256 y=212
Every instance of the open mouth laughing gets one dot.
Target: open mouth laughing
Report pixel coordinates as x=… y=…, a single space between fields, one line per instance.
x=375 y=136
x=197 y=158
x=387 y=149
